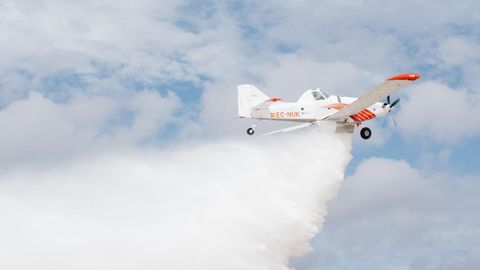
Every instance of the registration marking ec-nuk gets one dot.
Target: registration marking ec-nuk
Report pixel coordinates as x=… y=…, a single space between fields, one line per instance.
x=285 y=114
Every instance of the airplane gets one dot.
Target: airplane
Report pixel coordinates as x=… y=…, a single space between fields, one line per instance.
x=316 y=105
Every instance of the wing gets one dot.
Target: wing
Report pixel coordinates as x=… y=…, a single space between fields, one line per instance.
x=380 y=92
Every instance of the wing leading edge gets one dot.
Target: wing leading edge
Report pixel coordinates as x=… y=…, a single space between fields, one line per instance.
x=379 y=92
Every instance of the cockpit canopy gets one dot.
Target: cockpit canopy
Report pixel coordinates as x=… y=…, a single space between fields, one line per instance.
x=313 y=95
x=319 y=95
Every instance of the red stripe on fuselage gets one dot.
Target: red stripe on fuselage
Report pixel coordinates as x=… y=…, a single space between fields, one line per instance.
x=355 y=118
x=363 y=116
x=358 y=117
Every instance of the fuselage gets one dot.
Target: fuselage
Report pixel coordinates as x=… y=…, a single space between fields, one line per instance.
x=315 y=105
x=315 y=110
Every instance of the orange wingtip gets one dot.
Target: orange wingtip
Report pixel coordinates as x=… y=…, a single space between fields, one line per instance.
x=274 y=99
x=408 y=77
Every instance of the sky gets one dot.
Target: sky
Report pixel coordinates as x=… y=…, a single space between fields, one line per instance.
x=78 y=78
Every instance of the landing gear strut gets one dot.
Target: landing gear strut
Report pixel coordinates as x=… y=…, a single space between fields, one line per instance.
x=365 y=133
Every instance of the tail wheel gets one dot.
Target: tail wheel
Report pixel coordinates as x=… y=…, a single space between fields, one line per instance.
x=365 y=133
x=250 y=131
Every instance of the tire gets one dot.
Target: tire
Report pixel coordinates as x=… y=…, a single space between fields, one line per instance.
x=250 y=131
x=365 y=133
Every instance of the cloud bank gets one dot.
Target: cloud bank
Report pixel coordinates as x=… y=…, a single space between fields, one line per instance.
x=390 y=215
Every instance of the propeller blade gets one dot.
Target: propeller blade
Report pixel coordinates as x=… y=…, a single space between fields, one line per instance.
x=389 y=120
x=394 y=121
x=395 y=102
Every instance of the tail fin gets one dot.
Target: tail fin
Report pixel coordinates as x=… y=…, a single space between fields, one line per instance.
x=248 y=97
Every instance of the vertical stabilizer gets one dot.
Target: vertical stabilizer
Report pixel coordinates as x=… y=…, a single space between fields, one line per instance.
x=248 y=97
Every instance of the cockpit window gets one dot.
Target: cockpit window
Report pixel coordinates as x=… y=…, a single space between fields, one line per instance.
x=317 y=95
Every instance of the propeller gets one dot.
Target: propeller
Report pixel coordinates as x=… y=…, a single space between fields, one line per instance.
x=390 y=106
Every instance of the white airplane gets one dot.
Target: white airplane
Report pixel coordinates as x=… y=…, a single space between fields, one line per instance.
x=315 y=106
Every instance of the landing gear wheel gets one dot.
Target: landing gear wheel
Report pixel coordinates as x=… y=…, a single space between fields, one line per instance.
x=250 y=131
x=365 y=133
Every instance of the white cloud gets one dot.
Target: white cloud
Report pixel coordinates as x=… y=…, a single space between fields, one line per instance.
x=93 y=42
x=113 y=32
x=434 y=110
x=457 y=58
x=387 y=207
x=458 y=51
x=375 y=188
x=39 y=130
x=293 y=74
x=369 y=34
x=151 y=113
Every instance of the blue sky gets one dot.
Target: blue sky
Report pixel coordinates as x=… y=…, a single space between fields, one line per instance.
x=100 y=75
